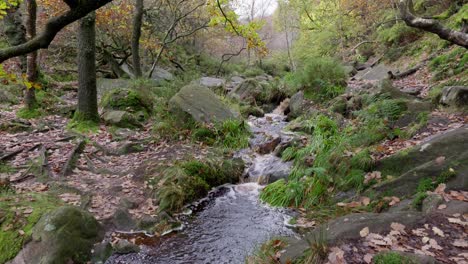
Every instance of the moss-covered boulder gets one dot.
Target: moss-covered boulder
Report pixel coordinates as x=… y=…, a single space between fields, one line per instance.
x=455 y=96
x=65 y=235
x=201 y=104
x=122 y=119
x=253 y=91
x=129 y=100
x=297 y=105
x=434 y=159
x=251 y=110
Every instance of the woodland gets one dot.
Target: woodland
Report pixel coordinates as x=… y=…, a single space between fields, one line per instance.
x=233 y=131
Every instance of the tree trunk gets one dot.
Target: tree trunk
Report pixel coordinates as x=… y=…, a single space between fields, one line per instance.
x=137 y=23
x=87 y=94
x=15 y=32
x=430 y=25
x=32 y=71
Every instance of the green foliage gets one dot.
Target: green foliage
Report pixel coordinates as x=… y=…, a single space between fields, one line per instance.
x=27 y=113
x=398 y=34
x=320 y=78
x=318 y=248
x=449 y=64
x=230 y=134
x=13 y=219
x=392 y=258
x=268 y=252
x=253 y=71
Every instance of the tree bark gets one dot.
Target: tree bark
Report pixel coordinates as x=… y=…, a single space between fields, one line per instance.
x=15 y=32
x=407 y=13
x=87 y=95
x=78 y=9
x=136 y=34
x=32 y=71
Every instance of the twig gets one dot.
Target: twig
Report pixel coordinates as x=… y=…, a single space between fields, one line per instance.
x=10 y=155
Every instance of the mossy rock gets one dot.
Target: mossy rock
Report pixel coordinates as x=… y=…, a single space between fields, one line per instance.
x=428 y=160
x=201 y=104
x=64 y=235
x=15 y=125
x=129 y=100
x=122 y=119
x=250 y=110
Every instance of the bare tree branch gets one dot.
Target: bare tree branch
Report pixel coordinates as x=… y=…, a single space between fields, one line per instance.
x=407 y=13
x=78 y=10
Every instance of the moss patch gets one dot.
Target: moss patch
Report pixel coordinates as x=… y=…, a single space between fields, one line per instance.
x=14 y=220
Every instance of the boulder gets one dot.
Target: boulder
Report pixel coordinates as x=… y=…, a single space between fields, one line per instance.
x=120 y=119
x=201 y=104
x=456 y=96
x=251 y=110
x=160 y=74
x=125 y=99
x=376 y=73
x=296 y=104
x=247 y=91
x=122 y=220
x=430 y=159
x=65 y=235
x=268 y=144
x=211 y=82
x=348 y=227
x=126 y=247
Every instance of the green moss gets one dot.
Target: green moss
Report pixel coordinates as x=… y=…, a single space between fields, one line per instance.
x=392 y=258
x=30 y=113
x=191 y=180
x=131 y=100
x=80 y=124
x=12 y=206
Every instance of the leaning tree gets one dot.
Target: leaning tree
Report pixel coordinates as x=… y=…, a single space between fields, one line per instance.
x=431 y=25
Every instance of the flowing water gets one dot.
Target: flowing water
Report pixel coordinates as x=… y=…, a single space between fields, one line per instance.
x=232 y=222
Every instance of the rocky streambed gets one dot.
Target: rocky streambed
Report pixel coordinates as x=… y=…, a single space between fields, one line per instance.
x=231 y=222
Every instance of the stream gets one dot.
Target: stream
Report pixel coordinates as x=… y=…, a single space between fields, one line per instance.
x=232 y=222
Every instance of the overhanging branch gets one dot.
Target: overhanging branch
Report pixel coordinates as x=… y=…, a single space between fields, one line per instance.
x=53 y=26
x=430 y=25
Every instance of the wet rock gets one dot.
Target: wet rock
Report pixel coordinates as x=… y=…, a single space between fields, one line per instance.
x=65 y=235
x=268 y=169
x=201 y=104
x=296 y=105
x=348 y=227
x=408 y=167
x=268 y=144
x=120 y=119
x=123 y=221
x=411 y=91
x=211 y=82
x=456 y=96
x=250 y=110
x=125 y=247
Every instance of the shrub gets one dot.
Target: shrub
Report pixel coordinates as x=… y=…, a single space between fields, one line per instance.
x=392 y=258
x=321 y=78
x=399 y=33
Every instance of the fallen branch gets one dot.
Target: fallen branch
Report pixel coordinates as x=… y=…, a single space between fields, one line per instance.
x=73 y=158
x=10 y=155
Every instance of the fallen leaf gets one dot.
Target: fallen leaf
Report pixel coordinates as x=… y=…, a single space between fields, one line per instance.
x=364 y=232
x=442 y=206
x=461 y=243
x=438 y=232
x=368 y=258
x=398 y=227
